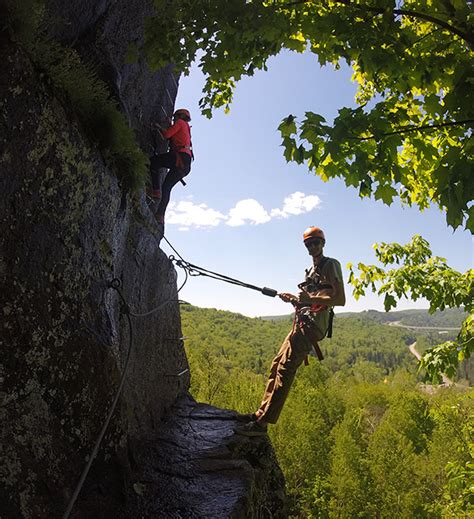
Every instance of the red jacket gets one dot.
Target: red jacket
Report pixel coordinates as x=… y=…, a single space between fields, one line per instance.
x=180 y=136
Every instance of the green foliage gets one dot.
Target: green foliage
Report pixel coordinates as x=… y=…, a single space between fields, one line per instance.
x=410 y=137
x=349 y=480
x=354 y=440
x=88 y=96
x=459 y=487
x=422 y=275
x=249 y=344
x=447 y=318
x=445 y=357
x=454 y=421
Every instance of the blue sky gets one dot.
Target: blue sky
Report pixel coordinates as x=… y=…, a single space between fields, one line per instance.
x=244 y=209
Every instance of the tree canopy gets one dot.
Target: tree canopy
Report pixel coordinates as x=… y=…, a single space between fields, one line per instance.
x=410 y=135
x=422 y=275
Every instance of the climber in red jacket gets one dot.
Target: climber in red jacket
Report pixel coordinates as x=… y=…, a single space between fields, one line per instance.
x=177 y=160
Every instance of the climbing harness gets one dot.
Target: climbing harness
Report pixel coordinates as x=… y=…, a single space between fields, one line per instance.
x=305 y=314
x=304 y=319
x=182 y=166
x=179 y=160
x=190 y=148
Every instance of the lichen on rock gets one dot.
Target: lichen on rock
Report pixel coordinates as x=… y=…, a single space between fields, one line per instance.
x=67 y=228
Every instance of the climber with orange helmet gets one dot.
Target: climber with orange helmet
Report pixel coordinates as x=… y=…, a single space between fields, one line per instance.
x=177 y=160
x=322 y=289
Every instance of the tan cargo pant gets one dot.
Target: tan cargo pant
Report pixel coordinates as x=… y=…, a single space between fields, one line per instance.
x=292 y=353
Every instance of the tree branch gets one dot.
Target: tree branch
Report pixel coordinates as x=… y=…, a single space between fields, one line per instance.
x=408 y=129
x=467 y=37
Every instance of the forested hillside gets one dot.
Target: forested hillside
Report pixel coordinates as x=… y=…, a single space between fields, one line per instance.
x=450 y=317
x=250 y=343
x=427 y=329
x=348 y=421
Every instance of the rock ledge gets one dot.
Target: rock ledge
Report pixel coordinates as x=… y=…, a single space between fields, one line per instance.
x=196 y=466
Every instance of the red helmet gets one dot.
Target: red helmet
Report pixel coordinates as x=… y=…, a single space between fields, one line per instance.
x=183 y=113
x=313 y=232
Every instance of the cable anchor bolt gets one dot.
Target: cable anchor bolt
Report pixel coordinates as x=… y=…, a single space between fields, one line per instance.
x=115 y=284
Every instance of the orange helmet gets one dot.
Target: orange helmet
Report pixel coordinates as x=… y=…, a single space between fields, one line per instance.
x=183 y=113
x=313 y=232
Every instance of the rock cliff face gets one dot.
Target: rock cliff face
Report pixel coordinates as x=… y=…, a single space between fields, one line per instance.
x=66 y=230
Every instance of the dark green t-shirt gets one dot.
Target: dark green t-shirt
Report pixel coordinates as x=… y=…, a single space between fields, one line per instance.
x=331 y=272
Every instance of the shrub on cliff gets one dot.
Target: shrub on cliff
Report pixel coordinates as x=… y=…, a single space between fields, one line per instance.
x=84 y=92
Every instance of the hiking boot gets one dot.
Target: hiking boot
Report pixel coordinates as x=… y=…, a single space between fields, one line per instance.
x=256 y=428
x=246 y=417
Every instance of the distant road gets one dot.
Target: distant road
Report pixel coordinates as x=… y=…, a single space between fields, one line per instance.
x=446 y=328
x=413 y=350
x=446 y=381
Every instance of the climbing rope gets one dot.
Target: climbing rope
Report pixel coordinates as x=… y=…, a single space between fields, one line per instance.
x=173 y=249
x=152 y=311
x=195 y=270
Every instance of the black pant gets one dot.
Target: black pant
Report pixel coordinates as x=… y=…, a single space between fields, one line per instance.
x=174 y=175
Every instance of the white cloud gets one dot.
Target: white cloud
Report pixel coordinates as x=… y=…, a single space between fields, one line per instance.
x=188 y=214
x=295 y=204
x=247 y=211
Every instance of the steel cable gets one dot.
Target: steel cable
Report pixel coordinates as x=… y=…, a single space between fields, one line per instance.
x=115 y=284
x=190 y=270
